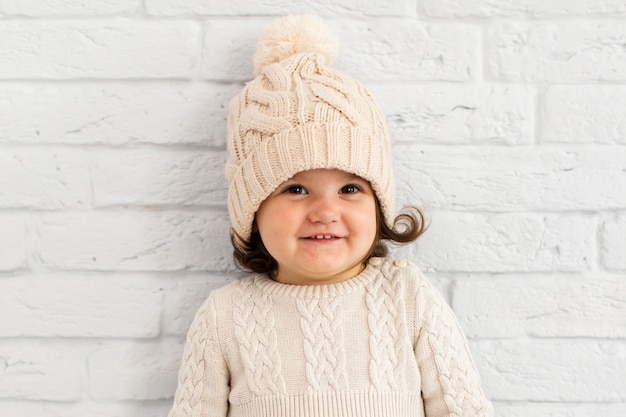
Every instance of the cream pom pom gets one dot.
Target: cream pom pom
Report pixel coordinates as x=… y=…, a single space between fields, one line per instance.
x=293 y=35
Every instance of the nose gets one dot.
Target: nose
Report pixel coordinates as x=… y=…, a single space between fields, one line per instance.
x=323 y=210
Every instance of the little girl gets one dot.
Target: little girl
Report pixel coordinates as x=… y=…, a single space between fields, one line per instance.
x=327 y=326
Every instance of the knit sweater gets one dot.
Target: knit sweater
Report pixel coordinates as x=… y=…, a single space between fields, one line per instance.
x=382 y=344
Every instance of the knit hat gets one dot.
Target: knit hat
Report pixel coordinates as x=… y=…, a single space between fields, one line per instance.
x=300 y=114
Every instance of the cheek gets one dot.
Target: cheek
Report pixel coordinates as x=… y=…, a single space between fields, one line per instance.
x=265 y=215
x=274 y=222
x=366 y=220
x=266 y=226
x=268 y=234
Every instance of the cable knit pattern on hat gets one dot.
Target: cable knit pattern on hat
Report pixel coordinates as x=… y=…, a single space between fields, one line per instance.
x=337 y=350
x=300 y=114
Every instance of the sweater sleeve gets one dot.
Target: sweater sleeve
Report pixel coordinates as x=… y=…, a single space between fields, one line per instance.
x=450 y=380
x=203 y=381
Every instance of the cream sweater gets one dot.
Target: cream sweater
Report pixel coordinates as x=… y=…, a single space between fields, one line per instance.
x=382 y=344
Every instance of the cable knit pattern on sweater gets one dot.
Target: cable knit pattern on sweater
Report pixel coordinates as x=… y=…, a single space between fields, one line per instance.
x=323 y=344
x=382 y=344
x=256 y=335
x=384 y=316
x=451 y=356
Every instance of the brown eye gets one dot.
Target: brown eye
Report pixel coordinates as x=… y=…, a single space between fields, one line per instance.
x=350 y=189
x=295 y=189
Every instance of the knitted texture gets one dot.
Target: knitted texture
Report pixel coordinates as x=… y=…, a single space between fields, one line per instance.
x=300 y=114
x=442 y=335
x=323 y=344
x=382 y=344
x=388 y=353
x=256 y=335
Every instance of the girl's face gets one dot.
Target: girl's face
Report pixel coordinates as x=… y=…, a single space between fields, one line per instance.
x=319 y=226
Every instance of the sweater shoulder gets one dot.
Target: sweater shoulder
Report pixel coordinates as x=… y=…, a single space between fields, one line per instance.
x=218 y=302
x=417 y=292
x=414 y=281
x=231 y=288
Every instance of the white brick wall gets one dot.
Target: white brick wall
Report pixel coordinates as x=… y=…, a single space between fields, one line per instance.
x=509 y=131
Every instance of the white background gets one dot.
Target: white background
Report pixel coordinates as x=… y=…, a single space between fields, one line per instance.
x=509 y=130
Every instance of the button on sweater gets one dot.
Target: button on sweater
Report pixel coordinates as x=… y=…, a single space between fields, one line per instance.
x=382 y=344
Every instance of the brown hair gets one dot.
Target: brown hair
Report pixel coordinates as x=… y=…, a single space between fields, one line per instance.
x=407 y=227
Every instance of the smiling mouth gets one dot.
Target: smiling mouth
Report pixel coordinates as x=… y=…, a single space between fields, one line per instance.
x=321 y=237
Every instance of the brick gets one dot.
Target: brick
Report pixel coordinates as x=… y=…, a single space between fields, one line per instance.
x=12 y=242
x=42 y=8
x=115 y=113
x=44 y=178
x=135 y=241
x=585 y=114
x=567 y=370
x=500 y=242
x=71 y=306
x=135 y=371
x=533 y=8
x=557 y=52
x=547 y=409
x=159 y=177
x=512 y=179
x=542 y=306
x=228 y=48
x=458 y=114
x=85 y=408
x=268 y=7
x=405 y=50
x=613 y=243
x=117 y=48
x=370 y=50
x=39 y=370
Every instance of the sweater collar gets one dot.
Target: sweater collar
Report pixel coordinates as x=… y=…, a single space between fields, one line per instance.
x=268 y=285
